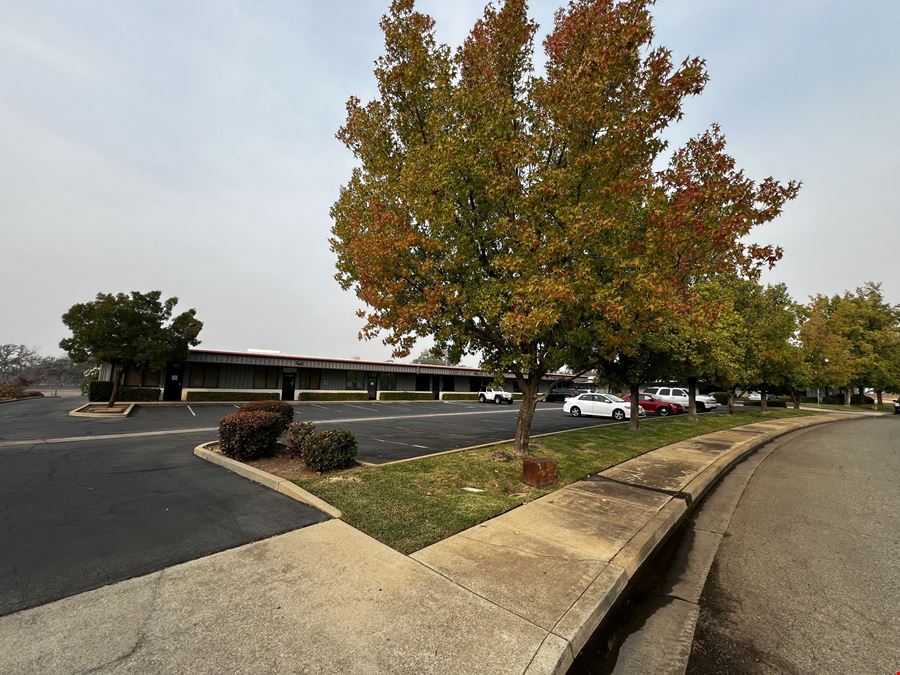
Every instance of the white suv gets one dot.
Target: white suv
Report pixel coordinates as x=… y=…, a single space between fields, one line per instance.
x=679 y=395
x=495 y=396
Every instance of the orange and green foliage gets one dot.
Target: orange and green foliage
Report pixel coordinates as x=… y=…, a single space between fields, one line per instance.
x=517 y=215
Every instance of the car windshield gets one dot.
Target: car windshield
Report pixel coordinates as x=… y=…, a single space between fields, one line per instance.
x=615 y=399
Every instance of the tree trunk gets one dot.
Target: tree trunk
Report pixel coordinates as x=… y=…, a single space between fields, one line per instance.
x=529 y=387
x=795 y=395
x=848 y=392
x=763 y=400
x=731 y=396
x=118 y=378
x=692 y=398
x=635 y=423
x=880 y=400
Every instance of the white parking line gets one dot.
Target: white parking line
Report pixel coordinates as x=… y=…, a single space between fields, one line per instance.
x=192 y=411
x=358 y=407
x=237 y=407
x=316 y=405
x=409 y=445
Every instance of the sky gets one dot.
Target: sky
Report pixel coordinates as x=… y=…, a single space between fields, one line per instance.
x=189 y=147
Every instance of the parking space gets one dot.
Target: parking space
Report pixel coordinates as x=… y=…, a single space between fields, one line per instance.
x=76 y=516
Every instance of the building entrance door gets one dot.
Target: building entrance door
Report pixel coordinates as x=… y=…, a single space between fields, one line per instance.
x=288 y=383
x=372 y=385
x=173 y=383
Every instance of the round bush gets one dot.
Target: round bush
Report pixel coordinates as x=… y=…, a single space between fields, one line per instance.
x=297 y=435
x=330 y=449
x=250 y=435
x=281 y=408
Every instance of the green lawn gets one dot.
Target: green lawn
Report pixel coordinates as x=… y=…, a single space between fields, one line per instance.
x=413 y=504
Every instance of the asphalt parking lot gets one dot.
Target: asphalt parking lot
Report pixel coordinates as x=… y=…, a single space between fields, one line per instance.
x=86 y=502
x=385 y=431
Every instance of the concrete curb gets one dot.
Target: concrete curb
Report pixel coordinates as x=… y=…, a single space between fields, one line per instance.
x=24 y=398
x=271 y=481
x=580 y=622
x=77 y=412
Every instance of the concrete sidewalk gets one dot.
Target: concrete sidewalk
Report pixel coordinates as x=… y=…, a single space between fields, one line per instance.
x=518 y=594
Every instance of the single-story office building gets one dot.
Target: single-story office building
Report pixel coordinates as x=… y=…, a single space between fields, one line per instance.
x=209 y=374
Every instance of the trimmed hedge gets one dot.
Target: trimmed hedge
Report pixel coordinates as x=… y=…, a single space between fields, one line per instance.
x=231 y=396
x=101 y=391
x=297 y=435
x=282 y=408
x=459 y=395
x=329 y=450
x=333 y=396
x=250 y=435
x=771 y=404
x=405 y=396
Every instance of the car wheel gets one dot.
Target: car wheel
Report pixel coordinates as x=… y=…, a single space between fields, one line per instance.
x=497 y=399
x=618 y=414
x=663 y=412
x=575 y=411
x=701 y=407
x=481 y=398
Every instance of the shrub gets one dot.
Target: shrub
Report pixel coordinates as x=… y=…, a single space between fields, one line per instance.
x=282 y=408
x=772 y=404
x=405 y=396
x=721 y=397
x=231 y=396
x=250 y=435
x=99 y=391
x=333 y=396
x=9 y=391
x=297 y=436
x=459 y=395
x=860 y=399
x=328 y=450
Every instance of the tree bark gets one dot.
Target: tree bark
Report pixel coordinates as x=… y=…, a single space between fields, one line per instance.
x=848 y=392
x=692 y=398
x=763 y=400
x=880 y=400
x=529 y=386
x=635 y=416
x=731 y=396
x=118 y=377
x=795 y=395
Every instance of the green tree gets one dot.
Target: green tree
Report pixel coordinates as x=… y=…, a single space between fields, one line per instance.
x=518 y=216
x=135 y=330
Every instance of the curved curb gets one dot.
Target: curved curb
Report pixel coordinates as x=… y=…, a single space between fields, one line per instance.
x=108 y=416
x=572 y=632
x=265 y=478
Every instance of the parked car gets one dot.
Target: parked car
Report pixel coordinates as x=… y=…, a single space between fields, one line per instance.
x=562 y=393
x=602 y=405
x=495 y=395
x=756 y=396
x=679 y=395
x=654 y=404
x=897 y=407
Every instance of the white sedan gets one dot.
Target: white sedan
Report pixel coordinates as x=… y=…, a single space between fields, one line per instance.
x=602 y=405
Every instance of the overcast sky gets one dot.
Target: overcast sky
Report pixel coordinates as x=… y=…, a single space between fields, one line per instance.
x=189 y=147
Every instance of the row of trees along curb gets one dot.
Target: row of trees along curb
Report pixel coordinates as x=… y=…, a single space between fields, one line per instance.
x=520 y=216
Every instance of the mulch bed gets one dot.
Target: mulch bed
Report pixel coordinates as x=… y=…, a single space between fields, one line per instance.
x=280 y=465
x=103 y=409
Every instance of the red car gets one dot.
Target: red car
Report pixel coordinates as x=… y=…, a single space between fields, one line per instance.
x=656 y=405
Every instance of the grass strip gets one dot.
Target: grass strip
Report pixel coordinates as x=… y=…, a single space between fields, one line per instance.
x=884 y=407
x=411 y=505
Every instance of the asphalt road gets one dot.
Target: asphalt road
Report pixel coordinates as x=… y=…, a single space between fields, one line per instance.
x=807 y=578
x=384 y=431
x=76 y=516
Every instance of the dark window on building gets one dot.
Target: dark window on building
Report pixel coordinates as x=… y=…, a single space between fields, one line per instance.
x=423 y=382
x=356 y=379
x=135 y=377
x=265 y=378
x=387 y=381
x=309 y=379
x=203 y=375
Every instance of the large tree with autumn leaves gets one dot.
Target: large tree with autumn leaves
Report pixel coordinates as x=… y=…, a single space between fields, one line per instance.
x=517 y=215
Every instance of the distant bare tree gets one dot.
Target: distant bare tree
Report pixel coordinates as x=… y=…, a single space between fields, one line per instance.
x=15 y=360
